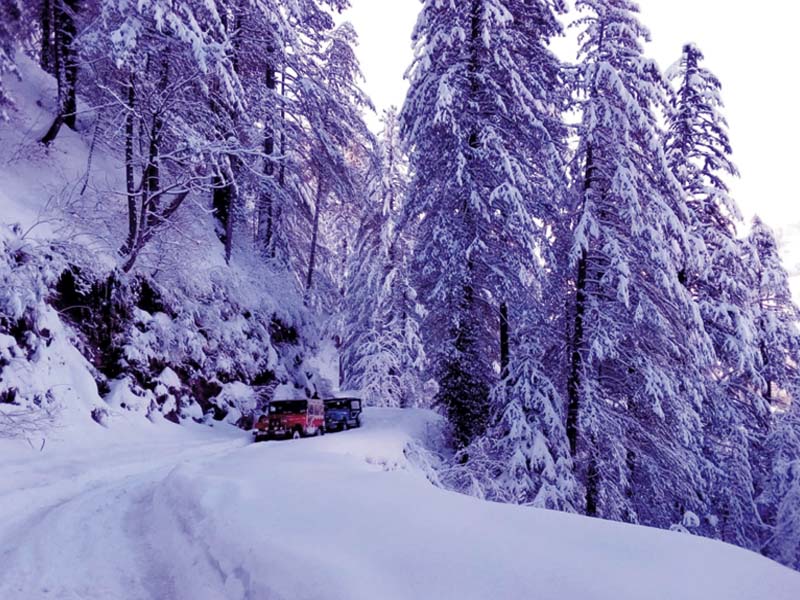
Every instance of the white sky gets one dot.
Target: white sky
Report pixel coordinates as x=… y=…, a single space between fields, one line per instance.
x=751 y=47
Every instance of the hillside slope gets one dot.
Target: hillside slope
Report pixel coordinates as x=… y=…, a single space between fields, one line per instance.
x=184 y=334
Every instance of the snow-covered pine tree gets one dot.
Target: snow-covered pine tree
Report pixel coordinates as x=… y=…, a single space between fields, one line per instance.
x=778 y=340
x=639 y=357
x=402 y=309
x=482 y=122
x=721 y=279
x=271 y=47
x=524 y=457
x=365 y=273
x=262 y=30
x=330 y=138
x=383 y=354
x=776 y=316
x=291 y=51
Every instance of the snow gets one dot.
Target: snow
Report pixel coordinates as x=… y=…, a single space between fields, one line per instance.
x=122 y=396
x=41 y=186
x=326 y=361
x=156 y=510
x=58 y=376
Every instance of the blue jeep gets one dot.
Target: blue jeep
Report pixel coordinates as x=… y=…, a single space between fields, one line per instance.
x=342 y=413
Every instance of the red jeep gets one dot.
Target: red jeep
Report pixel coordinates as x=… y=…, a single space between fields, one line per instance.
x=291 y=419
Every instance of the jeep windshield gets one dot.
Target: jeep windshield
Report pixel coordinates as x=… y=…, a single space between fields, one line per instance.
x=287 y=407
x=337 y=404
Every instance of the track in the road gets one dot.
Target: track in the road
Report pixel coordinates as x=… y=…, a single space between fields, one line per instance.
x=89 y=528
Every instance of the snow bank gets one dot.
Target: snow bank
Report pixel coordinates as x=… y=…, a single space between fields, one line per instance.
x=56 y=376
x=194 y=513
x=347 y=517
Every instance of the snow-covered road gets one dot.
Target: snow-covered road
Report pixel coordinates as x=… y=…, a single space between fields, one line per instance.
x=83 y=526
x=201 y=514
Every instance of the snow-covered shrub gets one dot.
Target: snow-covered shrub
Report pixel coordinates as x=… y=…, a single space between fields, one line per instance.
x=689 y=523
x=26 y=272
x=181 y=349
x=212 y=350
x=39 y=370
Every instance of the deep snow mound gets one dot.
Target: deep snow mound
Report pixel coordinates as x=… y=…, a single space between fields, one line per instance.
x=348 y=516
x=155 y=510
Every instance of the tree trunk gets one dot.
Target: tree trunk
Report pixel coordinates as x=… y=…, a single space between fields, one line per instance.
x=223 y=202
x=312 y=257
x=46 y=60
x=474 y=63
x=765 y=364
x=276 y=219
x=337 y=341
x=223 y=183
x=70 y=63
x=144 y=235
x=152 y=176
x=129 y=169
x=576 y=358
x=55 y=126
x=591 y=487
x=504 y=341
x=65 y=66
x=152 y=173
x=266 y=224
x=282 y=170
x=53 y=130
x=232 y=197
x=220 y=202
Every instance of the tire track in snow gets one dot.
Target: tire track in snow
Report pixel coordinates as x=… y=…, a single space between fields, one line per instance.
x=92 y=536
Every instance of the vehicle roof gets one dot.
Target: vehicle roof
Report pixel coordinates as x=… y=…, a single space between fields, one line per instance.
x=292 y=400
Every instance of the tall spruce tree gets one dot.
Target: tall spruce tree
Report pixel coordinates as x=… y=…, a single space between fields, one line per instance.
x=779 y=343
x=720 y=278
x=777 y=316
x=482 y=123
x=383 y=354
x=332 y=104
x=639 y=357
x=524 y=455
x=779 y=503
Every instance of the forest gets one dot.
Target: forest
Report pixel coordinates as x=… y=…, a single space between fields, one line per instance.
x=545 y=251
